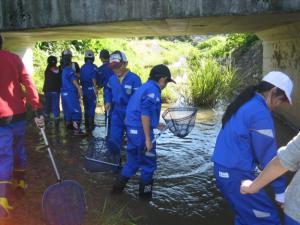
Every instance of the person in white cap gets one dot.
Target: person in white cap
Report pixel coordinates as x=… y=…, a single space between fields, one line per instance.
x=88 y=73
x=120 y=87
x=247 y=142
x=71 y=93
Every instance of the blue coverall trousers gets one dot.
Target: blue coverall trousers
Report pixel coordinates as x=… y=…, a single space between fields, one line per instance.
x=136 y=158
x=13 y=157
x=52 y=100
x=254 y=209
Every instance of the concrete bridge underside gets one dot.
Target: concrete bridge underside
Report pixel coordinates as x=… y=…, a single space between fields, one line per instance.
x=276 y=22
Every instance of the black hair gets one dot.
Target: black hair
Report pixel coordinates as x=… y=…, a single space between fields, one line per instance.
x=52 y=61
x=104 y=54
x=155 y=77
x=89 y=59
x=245 y=96
x=1 y=41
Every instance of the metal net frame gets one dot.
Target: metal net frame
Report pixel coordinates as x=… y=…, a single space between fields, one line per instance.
x=180 y=120
x=100 y=156
x=64 y=204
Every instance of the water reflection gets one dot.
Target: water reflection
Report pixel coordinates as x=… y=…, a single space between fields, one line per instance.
x=184 y=188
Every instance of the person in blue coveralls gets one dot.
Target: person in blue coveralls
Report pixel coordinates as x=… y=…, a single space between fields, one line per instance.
x=103 y=75
x=71 y=93
x=142 y=116
x=247 y=142
x=88 y=73
x=120 y=87
x=51 y=88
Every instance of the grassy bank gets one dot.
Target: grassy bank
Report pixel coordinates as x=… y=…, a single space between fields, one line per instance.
x=198 y=69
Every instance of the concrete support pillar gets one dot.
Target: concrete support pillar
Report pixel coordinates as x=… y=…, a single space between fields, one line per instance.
x=281 y=51
x=22 y=49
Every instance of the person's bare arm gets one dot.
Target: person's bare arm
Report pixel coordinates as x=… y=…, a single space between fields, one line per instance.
x=147 y=132
x=273 y=170
x=75 y=82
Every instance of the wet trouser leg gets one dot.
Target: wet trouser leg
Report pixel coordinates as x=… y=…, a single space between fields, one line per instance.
x=254 y=209
x=12 y=153
x=117 y=130
x=66 y=106
x=74 y=106
x=89 y=101
x=48 y=103
x=136 y=158
x=55 y=104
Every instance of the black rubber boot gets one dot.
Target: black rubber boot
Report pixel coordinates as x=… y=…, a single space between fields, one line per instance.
x=119 y=184
x=91 y=124
x=86 y=123
x=69 y=125
x=56 y=123
x=145 y=190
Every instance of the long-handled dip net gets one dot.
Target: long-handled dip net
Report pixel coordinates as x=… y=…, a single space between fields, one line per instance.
x=100 y=156
x=180 y=120
x=63 y=202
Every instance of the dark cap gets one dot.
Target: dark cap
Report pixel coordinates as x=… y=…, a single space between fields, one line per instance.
x=104 y=54
x=161 y=70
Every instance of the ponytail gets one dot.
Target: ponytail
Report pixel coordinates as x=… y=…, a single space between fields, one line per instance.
x=245 y=96
x=240 y=100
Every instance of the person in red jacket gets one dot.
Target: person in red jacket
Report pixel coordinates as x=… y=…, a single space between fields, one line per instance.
x=13 y=159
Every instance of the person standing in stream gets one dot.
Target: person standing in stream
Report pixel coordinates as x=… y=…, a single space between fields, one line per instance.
x=13 y=157
x=120 y=87
x=247 y=142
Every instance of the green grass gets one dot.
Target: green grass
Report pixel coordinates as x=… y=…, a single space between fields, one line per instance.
x=207 y=79
x=109 y=215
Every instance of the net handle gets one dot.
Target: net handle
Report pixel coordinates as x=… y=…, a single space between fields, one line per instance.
x=106 y=123
x=50 y=154
x=159 y=134
x=149 y=153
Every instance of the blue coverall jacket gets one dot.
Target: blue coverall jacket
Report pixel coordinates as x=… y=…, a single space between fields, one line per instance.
x=118 y=94
x=88 y=72
x=145 y=102
x=247 y=140
x=69 y=95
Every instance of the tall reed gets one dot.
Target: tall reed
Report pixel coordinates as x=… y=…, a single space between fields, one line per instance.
x=210 y=81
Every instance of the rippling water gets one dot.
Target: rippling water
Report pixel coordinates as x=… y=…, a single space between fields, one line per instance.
x=183 y=181
x=184 y=188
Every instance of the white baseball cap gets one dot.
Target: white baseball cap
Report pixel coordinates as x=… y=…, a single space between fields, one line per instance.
x=89 y=54
x=282 y=81
x=116 y=59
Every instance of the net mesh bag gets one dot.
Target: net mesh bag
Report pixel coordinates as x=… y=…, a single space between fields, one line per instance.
x=64 y=204
x=100 y=156
x=180 y=120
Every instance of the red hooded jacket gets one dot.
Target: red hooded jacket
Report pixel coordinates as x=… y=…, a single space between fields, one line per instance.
x=13 y=77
